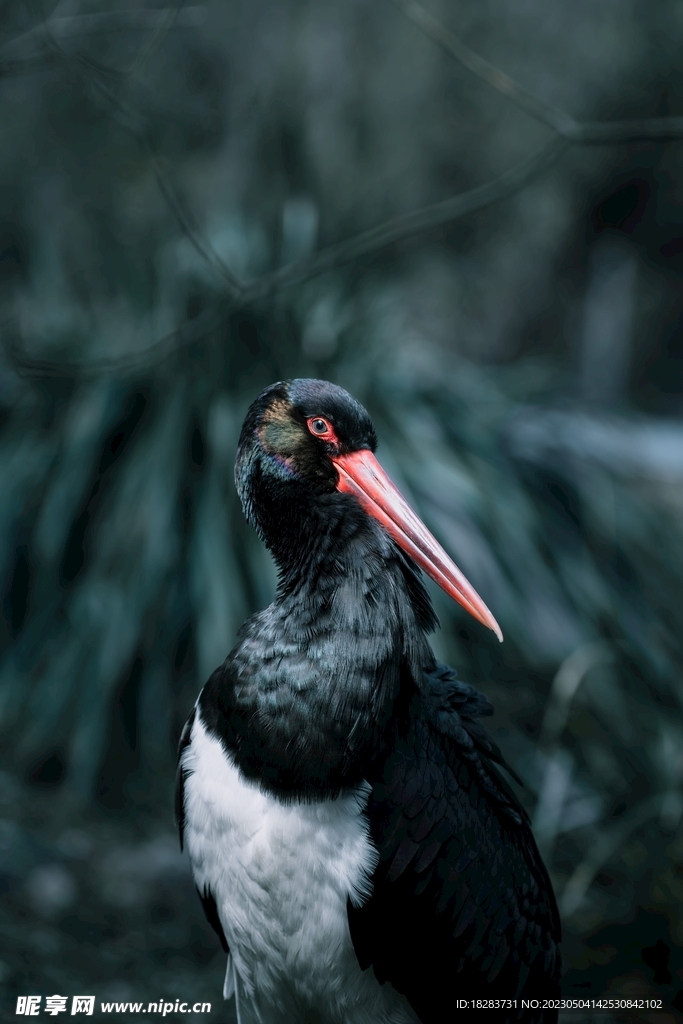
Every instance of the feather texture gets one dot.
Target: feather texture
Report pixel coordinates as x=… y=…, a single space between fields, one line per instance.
x=462 y=904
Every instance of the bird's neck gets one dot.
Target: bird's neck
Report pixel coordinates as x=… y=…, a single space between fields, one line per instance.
x=303 y=532
x=320 y=681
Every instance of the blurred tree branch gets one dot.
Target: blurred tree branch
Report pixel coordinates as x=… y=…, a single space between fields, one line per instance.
x=103 y=79
x=404 y=226
x=161 y=30
x=582 y=132
x=61 y=27
x=567 y=130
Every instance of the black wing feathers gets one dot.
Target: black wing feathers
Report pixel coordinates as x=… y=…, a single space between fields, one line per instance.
x=207 y=899
x=211 y=912
x=462 y=904
x=180 y=776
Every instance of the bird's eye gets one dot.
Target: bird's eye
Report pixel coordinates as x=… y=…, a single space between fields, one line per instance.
x=318 y=426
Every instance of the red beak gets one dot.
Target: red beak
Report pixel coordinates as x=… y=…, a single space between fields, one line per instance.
x=360 y=474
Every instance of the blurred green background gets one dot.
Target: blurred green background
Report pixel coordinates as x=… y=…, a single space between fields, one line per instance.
x=523 y=364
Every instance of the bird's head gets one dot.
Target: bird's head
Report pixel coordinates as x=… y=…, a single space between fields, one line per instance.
x=313 y=439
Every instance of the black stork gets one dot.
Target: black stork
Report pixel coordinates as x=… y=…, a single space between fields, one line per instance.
x=353 y=842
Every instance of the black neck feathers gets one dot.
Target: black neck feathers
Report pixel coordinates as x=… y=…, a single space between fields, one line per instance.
x=320 y=682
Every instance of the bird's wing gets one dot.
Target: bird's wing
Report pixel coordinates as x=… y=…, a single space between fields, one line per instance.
x=462 y=904
x=181 y=775
x=206 y=896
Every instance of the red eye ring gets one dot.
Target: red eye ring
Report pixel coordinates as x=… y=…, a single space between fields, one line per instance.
x=320 y=427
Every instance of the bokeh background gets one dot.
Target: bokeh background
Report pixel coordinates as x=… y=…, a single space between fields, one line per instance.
x=168 y=180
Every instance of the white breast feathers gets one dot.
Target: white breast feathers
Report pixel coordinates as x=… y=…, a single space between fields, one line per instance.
x=281 y=875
